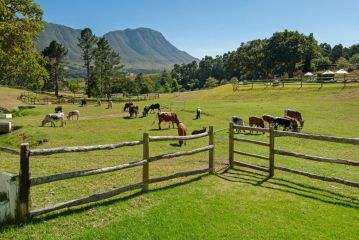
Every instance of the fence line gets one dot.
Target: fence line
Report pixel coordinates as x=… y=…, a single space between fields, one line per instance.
x=82 y=173
x=9 y=150
x=272 y=151
x=49 y=151
x=26 y=182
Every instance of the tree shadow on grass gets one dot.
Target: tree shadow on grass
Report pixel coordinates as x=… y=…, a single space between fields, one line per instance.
x=288 y=186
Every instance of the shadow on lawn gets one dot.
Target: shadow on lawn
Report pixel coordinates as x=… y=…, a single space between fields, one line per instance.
x=107 y=202
x=284 y=185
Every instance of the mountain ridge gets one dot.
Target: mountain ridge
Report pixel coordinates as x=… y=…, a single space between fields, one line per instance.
x=139 y=48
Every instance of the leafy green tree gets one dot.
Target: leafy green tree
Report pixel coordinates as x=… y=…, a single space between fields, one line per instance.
x=211 y=82
x=175 y=86
x=252 y=59
x=87 y=43
x=321 y=61
x=107 y=68
x=284 y=51
x=326 y=49
x=355 y=59
x=20 y=64
x=55 y=54
x=73 y=86
x=310 y=50
x=336 y=53
x=342 y=63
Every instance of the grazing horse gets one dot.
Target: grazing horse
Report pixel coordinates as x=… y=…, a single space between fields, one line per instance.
x=167 y=117
x=295 y=127
x=198 y=113
x=145 y=111
x=133 y=110
x=152 y=107
x=199 y=131
x=294 y=114
x=268 y=118
x=109 y=105
x=238 y=121
x=73 y=113
x=256 y=121
x=127 y=105
x=182 y=131
x=52 y=118
x=284 y=122
x=58 y=109
x=83 y=103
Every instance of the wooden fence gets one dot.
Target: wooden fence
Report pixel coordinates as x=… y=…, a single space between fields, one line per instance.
x=26 y=182
x=273 y=151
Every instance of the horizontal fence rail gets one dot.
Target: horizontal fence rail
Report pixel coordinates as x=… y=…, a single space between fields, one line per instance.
x=316 y=158
x=251 y=155
x=82 y=173
x=266 y=130
x=49 y=151
x=256 y=167
x=9 y=150
x=251 y=141
x=178 y=154
x=320 y=177
x=354 y=141
x=168 y=138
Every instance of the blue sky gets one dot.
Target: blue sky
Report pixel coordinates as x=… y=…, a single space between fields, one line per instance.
x=211 y=27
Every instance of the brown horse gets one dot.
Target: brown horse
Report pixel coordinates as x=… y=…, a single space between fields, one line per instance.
x=167 y=117
x=182 y=131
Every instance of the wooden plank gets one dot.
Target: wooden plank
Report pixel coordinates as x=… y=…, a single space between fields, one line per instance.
x=83 y=148
x=24 y=183
x=354 y=141
x=9 y=150
x=260 y=168
x=251 y=141
x=251 y=128
x=168 y=138
x=231 y=145
x=82 y=173
x=180 y=174
x=319 y=177
x=271 y=151
x=178 y=154
x=211 y=151
x=146 y=167
x=316 y=158
x=251 y=155
x=92 y=198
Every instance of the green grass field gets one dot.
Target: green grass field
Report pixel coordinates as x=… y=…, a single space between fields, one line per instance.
x=238 y=204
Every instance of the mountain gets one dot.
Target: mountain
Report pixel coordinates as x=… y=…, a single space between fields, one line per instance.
x=140 y=48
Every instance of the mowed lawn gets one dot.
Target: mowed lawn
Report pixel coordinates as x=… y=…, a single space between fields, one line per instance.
x=237 y=204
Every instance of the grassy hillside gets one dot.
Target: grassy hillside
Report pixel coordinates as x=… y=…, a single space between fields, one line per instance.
x=238 y=204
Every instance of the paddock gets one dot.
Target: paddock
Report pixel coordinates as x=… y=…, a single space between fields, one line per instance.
x=240 y=193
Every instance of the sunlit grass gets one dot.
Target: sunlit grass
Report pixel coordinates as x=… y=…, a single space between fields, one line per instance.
x=237 y=204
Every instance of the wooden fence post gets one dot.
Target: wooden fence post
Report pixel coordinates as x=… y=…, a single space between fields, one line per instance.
x=271 y=151
x=231 y=145
x=211 y=151
x=145 y=168
x=301 y=81
x=24 y=183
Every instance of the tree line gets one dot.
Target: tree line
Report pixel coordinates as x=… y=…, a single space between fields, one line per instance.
x=286 y=54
